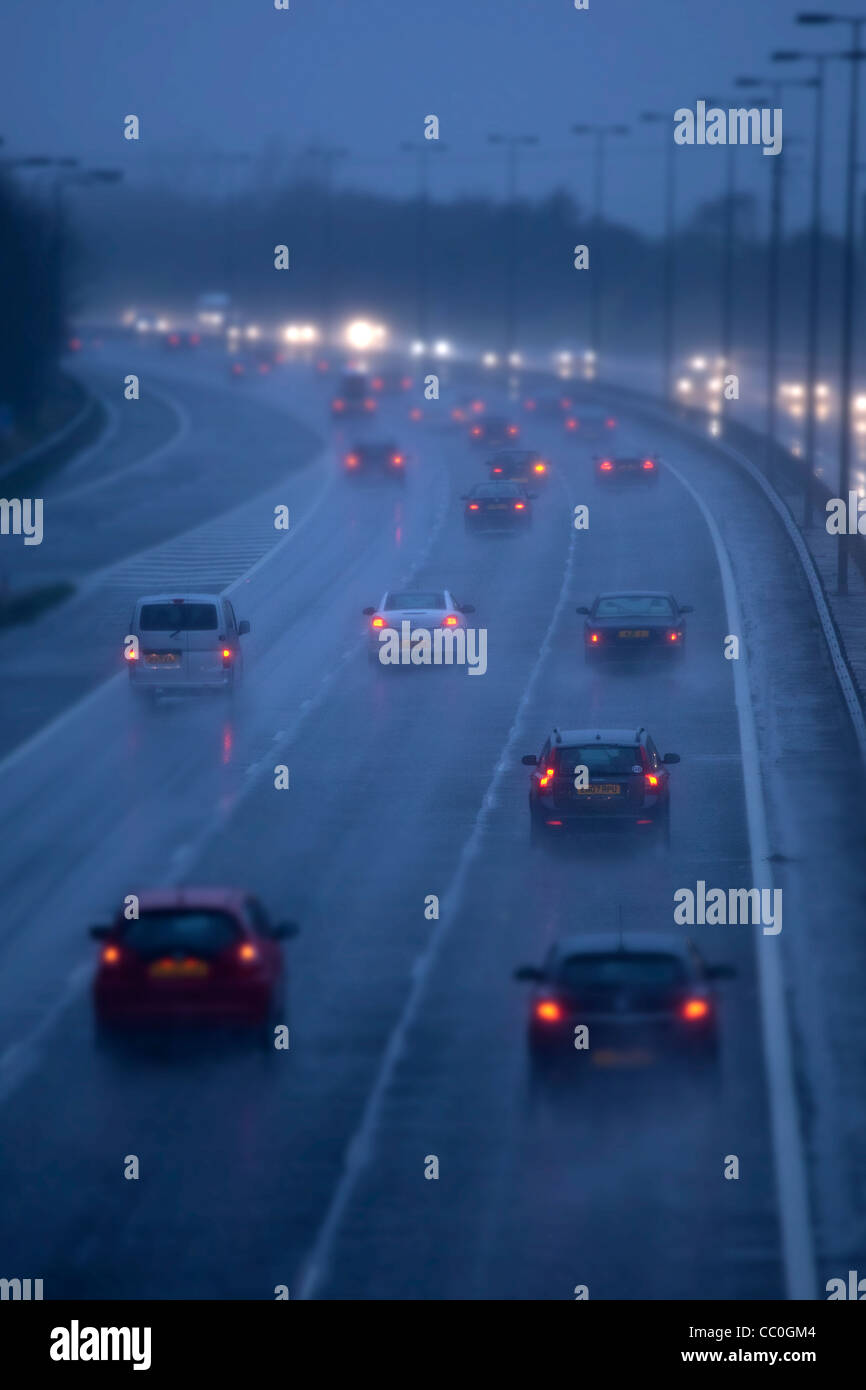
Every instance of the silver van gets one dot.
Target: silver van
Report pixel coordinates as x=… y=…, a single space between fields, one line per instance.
x=185 y=642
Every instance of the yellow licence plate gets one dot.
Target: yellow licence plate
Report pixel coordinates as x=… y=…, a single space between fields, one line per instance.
x=161 y=658
x=179 y=969
x=622 y=1057
x=634 y=632
x=602 y=789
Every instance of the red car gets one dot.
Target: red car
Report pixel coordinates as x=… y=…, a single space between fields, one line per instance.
x=192 y=956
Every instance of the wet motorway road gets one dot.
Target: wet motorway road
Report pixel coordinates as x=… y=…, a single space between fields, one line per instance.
x=407 y=1035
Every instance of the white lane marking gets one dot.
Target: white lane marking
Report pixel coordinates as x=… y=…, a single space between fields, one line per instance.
x=183 y=858
x=146 y=461
x=105 y=436
x=798 y=1255
x=359 y=1151
x=22 y=1056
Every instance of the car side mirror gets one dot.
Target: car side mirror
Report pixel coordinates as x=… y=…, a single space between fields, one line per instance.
x=243 y=627
x=283 y=931
x=467 y=608
x=671 y=758
x=686 y=608
x=529 y=760
x=100 y=933
x=529 y=972
x=582 y=609
x=368 y=612
x=721 y=972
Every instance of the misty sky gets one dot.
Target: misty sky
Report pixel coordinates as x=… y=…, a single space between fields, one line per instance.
x=236 y=75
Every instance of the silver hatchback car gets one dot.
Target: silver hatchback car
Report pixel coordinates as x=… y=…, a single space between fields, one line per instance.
x=184 y=643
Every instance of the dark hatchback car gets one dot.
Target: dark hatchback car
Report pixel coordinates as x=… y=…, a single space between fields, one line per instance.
x=644 y=620
x=622 y=1000
x=615 y=468
x=519 y=466
x=590 y=776
x=588 y=426
x=193 y=956
x=353 y=397
x=493 y=429
x=381 y=458
x=498 y=507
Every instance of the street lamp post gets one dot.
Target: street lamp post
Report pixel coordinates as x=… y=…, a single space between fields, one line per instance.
x=854 y=56
x=601 y=132
x=669 y=265
x=422 y=148
x=512 y=144
x=814 y=293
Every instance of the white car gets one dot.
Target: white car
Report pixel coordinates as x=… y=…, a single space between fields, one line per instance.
x=183 y=643
x=426 y=609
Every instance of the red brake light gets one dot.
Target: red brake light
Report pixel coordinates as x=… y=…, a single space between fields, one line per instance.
x=406 y=382
x=565 y=403
x=247 y=951
x=545 y=776
x=110 y=955
x=606 y=466
x=673 y=636
x=450 y=621
x=512 y=429
x=478 y=406
x=378 y=622
x=352 y=460
x=377 y=383
x=648 y=464
x=548 y=1010
x=339 y=405
x=227 y=653
x=497 y=470
x=174 y=339
x=529 y=405
x=540 y=467
x=595 y=637
x=520 y=506
x=476 y=430
x=473 y=507
x=369 y=405
x=397 y=458
x=571 y=424
x=694 y=1009
x=415 y=413
x=651 y=779
x=131 y=655
x=610 y=423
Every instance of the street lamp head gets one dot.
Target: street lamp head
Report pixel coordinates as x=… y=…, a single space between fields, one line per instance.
x=811 y=17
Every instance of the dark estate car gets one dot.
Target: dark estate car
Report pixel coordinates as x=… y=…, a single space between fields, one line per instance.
x=617 y=468
x=382 y=457
x=498 y=507
x=519 y=466
x=624 y=999
x=493 y=429
x=587 y=776
x=643 y=620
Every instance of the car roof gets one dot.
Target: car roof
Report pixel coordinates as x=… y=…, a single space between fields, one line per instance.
x=566 y=737
x=184 y=598
x=635 y=593
x=629 y=942
x=164 y=899
x=430 y=589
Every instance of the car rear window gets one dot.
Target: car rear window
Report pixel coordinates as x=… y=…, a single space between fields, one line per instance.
x=178 y=617
x=497 y=490
x=619 y=968
x=415 y=598
x=600 y=758
x=635 y=606
x=198 y=933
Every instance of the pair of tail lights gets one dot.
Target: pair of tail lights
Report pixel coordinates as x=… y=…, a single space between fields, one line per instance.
x=693 y=1010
